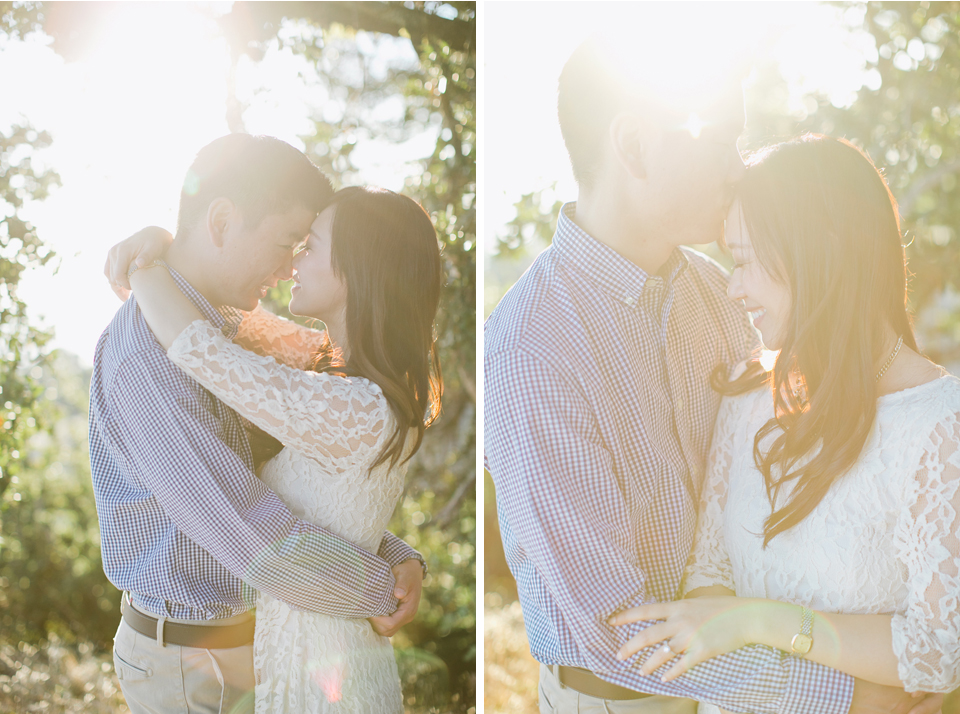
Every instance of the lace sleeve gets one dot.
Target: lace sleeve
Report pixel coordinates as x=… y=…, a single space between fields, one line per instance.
x=329 y=417
x=709 y=563
x=926 y=635
x=287 y=342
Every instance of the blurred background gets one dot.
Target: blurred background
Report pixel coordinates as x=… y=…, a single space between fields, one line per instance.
x=885 y=75
x=102 y=108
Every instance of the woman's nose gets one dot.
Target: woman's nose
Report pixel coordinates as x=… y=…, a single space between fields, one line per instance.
x=735 y=287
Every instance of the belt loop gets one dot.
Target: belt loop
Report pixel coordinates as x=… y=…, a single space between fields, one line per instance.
x=160 y=623
x=555 y=668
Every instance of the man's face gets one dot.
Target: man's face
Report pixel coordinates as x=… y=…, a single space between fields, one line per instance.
x=692 y=170
x=256 y=257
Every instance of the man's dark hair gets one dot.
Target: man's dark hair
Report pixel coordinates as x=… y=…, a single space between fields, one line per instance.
x=591 y=92
x=260 y=174
x=613 y=72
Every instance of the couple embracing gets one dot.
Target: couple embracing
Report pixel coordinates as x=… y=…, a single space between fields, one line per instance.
x=197 y=391
x=684 y=524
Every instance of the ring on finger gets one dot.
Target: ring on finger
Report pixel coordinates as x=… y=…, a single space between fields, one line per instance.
x=668 y=650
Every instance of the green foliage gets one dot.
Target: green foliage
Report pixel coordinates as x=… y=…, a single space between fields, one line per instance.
x=907 y=119
x=437 y=652
x=22 y=345
x=51 y=581
x=436 y=88
x=18 y=19
x=51 y=578
x=534 y=223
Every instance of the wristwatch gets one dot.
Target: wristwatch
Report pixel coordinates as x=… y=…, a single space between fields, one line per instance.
x=802 y=641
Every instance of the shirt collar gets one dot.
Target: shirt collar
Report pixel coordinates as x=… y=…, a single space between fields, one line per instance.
x=226 y=319
x=611 y=272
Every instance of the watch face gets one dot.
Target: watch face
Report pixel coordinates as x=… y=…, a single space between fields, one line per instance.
x=801 y=644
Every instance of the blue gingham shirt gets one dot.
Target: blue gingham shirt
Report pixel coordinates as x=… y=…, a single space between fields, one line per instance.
x=185 y=525
x=598 y=419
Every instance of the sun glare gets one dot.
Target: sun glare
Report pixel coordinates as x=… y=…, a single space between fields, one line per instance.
x=810 y=43
x=143 y=88
x=694 y=125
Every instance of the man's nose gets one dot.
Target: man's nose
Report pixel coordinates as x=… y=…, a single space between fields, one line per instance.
x=736 y=167
x=285 y=271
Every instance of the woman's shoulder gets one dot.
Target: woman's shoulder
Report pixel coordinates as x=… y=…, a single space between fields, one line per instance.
x=921 y=417
x=940 y=395
x=754 y=403
x=750 y=393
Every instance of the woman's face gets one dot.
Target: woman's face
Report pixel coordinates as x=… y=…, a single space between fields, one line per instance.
x=318 y=291
x=766 y=299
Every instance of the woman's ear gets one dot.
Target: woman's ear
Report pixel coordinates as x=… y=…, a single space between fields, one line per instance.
x=626 y=136
x=220 y=214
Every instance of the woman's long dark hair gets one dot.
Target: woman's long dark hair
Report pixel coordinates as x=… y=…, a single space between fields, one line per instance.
x=385 y=250
x=823 y=222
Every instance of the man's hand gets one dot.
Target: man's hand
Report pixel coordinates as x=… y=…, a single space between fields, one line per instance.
x=409 y=575
x=141 y=248
x=870 y=698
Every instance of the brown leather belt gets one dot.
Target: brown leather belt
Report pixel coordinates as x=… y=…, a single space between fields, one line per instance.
x=586 y=682
x=208 y=637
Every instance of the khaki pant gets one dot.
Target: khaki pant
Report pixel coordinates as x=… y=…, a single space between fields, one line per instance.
x=182 y=680
x=558 y=699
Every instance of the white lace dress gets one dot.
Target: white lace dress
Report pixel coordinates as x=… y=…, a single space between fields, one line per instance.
x=333 y=429
x=883 y=540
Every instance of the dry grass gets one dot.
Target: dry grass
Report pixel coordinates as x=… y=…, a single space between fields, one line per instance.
x=510 y=673
x=58 y=679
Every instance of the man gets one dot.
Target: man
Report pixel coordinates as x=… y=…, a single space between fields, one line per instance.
x=187 y=529
x=599 y=411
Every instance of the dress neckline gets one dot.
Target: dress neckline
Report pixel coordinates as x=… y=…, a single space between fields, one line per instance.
x=911 y=391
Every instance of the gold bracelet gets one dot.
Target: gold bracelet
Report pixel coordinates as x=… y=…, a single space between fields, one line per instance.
x=802 y=642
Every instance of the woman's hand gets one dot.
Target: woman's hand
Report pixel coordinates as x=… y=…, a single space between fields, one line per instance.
x=142 y=247
x=699 y=628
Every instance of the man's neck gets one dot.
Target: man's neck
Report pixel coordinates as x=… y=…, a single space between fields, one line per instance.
x=604 y=217
x=181 y=258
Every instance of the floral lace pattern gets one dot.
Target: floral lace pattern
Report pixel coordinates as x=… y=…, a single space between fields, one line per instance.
x=333 y=428
x=883 y=540
x=287 y=342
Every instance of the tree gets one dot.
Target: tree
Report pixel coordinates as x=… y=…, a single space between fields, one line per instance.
x=433 y=82
x=437 y=93
x=22 y=345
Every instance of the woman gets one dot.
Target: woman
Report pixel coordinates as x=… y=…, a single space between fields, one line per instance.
x=351 y=406
x=833 y=491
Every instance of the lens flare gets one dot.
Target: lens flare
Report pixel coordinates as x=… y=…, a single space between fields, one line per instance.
x=329 y=677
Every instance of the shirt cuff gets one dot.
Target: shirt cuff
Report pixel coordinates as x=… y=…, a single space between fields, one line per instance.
x=396 y=551
x=811 y=687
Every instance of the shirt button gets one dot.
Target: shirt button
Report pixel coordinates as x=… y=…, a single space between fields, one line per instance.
x=631 y=301
x=679 y=404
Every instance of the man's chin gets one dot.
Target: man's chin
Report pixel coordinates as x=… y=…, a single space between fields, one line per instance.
x=245 y=303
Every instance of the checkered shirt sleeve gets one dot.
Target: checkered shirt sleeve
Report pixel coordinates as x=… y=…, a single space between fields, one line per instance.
x=186 y=526
x=556 y=490
x=169 y=443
